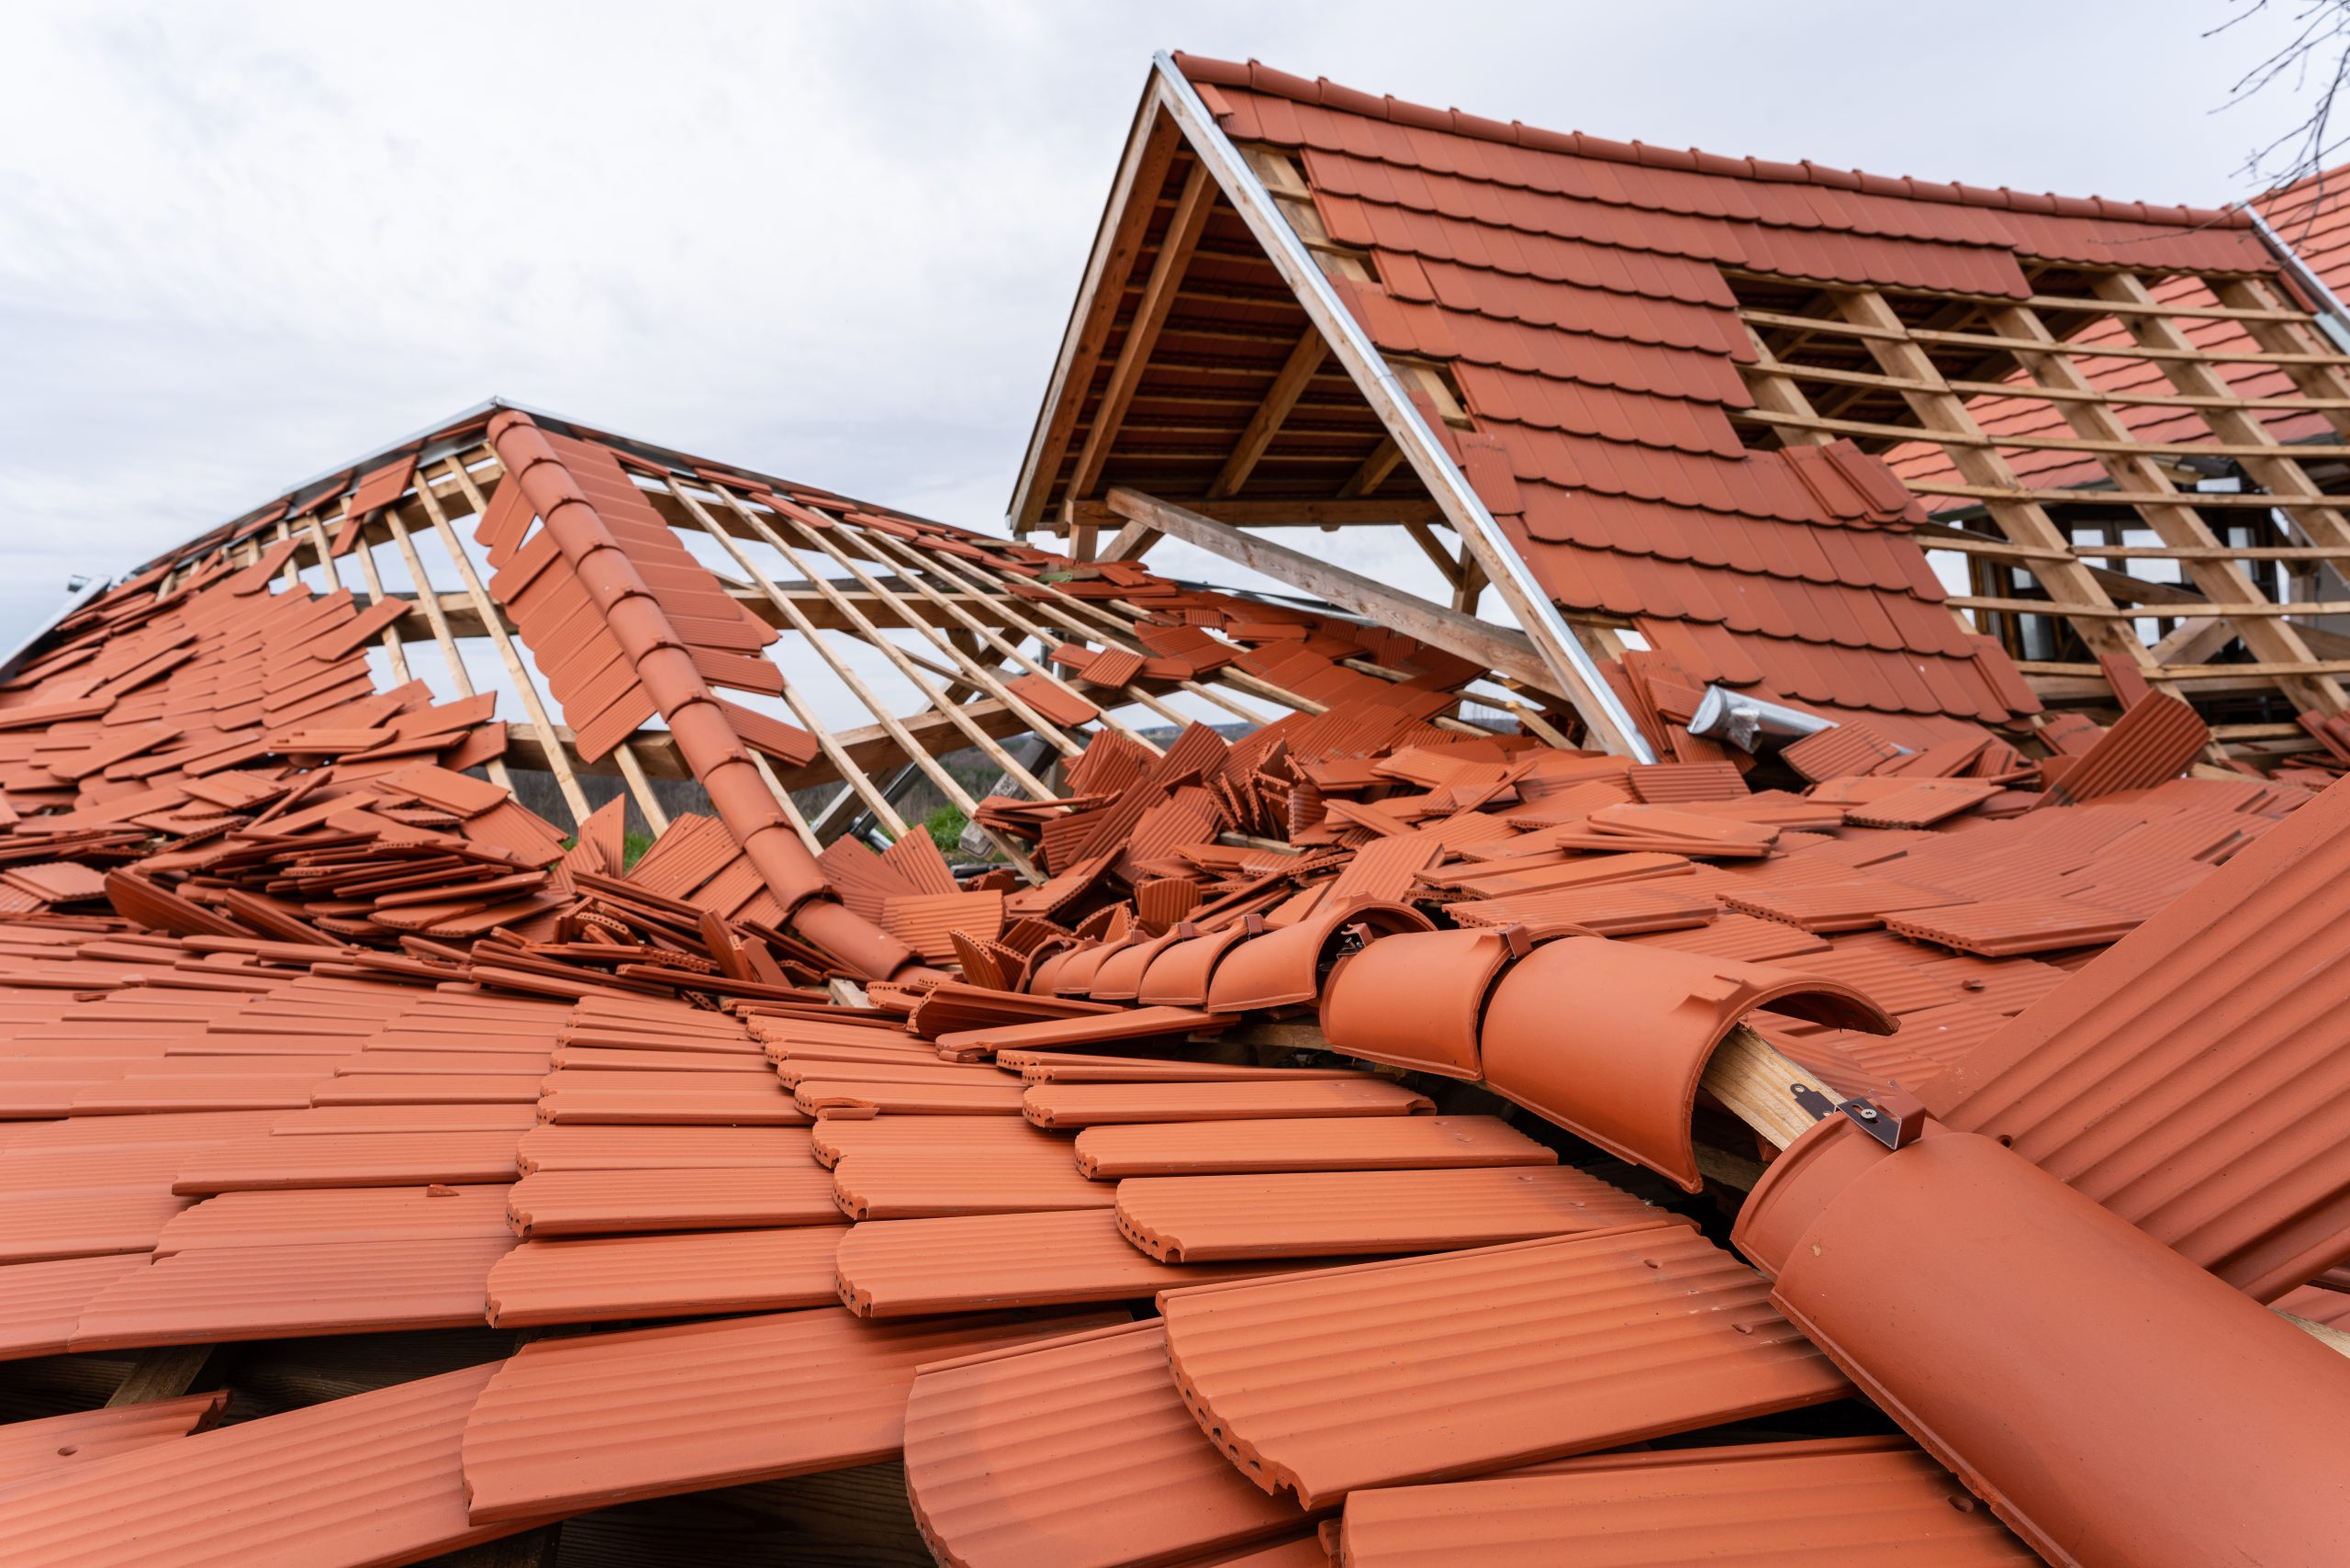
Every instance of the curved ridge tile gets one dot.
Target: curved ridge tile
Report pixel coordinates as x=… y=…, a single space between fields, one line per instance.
x=1609 y=1040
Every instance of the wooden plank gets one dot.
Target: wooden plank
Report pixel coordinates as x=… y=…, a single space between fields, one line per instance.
x=1142 y=171
x=1869 y=430
x=1507 y=652
x=557 y=758
x=1289 y=383
x=2231 y=593
x=2021 y=493
x=982 y=635
x=1183 y=231
x=1299 y=513
x=2023 y=522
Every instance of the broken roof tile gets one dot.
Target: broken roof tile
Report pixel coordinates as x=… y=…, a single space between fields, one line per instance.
x=1077 y=1453
x=569 y=1424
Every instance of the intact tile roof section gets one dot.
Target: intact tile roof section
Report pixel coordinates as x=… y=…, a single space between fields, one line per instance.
x=1337 y=1143
x=1575 y=290
x=2171 y=1079
x=572 y=1424
x=691 y=1273
x=1848 y=1503
x=983 y=1262
x=1199 y=1219
x=1473 y=1360
x=1076 y=1453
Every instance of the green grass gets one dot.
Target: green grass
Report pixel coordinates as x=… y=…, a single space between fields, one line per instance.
x=632 y=846
x=946 y=827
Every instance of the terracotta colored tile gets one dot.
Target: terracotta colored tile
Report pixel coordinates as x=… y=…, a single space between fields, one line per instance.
x=38 y=1226
x=1610 y=1041
x=2015 y=925
x=831 y=1140
x=2138 y=1081
x=1343 y=1142
x=1200 y=1219
x=696 y=1273
x=572 y=1424
x=856 y=1096
x=586 y=1100
x=1855 y=1500
x=1096 y=1105
x=211 y=1293
x=1056 y=1033
x=302 y=1217
x=380 y=1471
x=1076 y=1453
x=576 y=1203
x=660 y=1148
x=905 y=1268
x=348 y=1159
x=35 y=1453
x=1548 y=1349
x=923 y=1184
x=40 y=1303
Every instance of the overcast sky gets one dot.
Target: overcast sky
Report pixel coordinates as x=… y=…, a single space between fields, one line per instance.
x=240 y=245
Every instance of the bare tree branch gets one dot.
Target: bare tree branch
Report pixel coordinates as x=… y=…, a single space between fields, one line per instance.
x=2315 y=60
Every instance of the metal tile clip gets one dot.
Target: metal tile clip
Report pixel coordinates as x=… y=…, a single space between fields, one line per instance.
x=1891 y=1128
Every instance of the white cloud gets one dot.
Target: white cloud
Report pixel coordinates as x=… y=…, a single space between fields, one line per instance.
x=242 y=243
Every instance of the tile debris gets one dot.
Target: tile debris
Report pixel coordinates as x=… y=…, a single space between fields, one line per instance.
x=1336 y=1093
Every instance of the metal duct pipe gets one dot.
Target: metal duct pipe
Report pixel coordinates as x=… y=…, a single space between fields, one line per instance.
x=1750 y=723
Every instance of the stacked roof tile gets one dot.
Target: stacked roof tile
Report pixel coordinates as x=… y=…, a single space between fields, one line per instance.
x=1313 y=1144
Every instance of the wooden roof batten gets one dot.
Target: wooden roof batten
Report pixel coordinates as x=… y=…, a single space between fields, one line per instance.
x=1172 y=121
x=2020 y=360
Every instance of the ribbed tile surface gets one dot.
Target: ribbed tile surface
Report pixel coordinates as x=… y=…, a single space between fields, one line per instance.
x=833 y=1140
x=2187 y=1078
x=348 y=1159
x=1095 y=1104
x=572 y=1424
x=83 y=1225
x=1333 y=1143
x=37 y=1453
x=660 y=1148
x=1852 y=1503
x=1440 y=1367
x=1076 y=1454
x=923 y=1184
x=584 y=1203
x=985 y=1099
x=692 y=1273
x=304 y=1217
x=980 y=1262
x=40 y=1303
x=354 y=1483
x=1329 y=1214
x=268 y=1293
x=515 y=1119
x=694 y=1100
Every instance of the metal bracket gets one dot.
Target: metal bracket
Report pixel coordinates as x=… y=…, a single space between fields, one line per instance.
x=1894 y=1132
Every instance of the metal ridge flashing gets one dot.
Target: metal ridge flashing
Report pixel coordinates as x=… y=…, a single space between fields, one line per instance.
x=2331 y=315
x=1611 y=721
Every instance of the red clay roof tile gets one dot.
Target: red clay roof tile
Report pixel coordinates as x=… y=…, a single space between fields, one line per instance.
x=566 y=1424
x=1478 y=1359
x=1076 y=1452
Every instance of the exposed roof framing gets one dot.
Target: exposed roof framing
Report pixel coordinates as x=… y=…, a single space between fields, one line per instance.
x=1665 y=380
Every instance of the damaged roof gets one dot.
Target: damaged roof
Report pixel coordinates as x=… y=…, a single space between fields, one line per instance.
x=1320 y=1112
